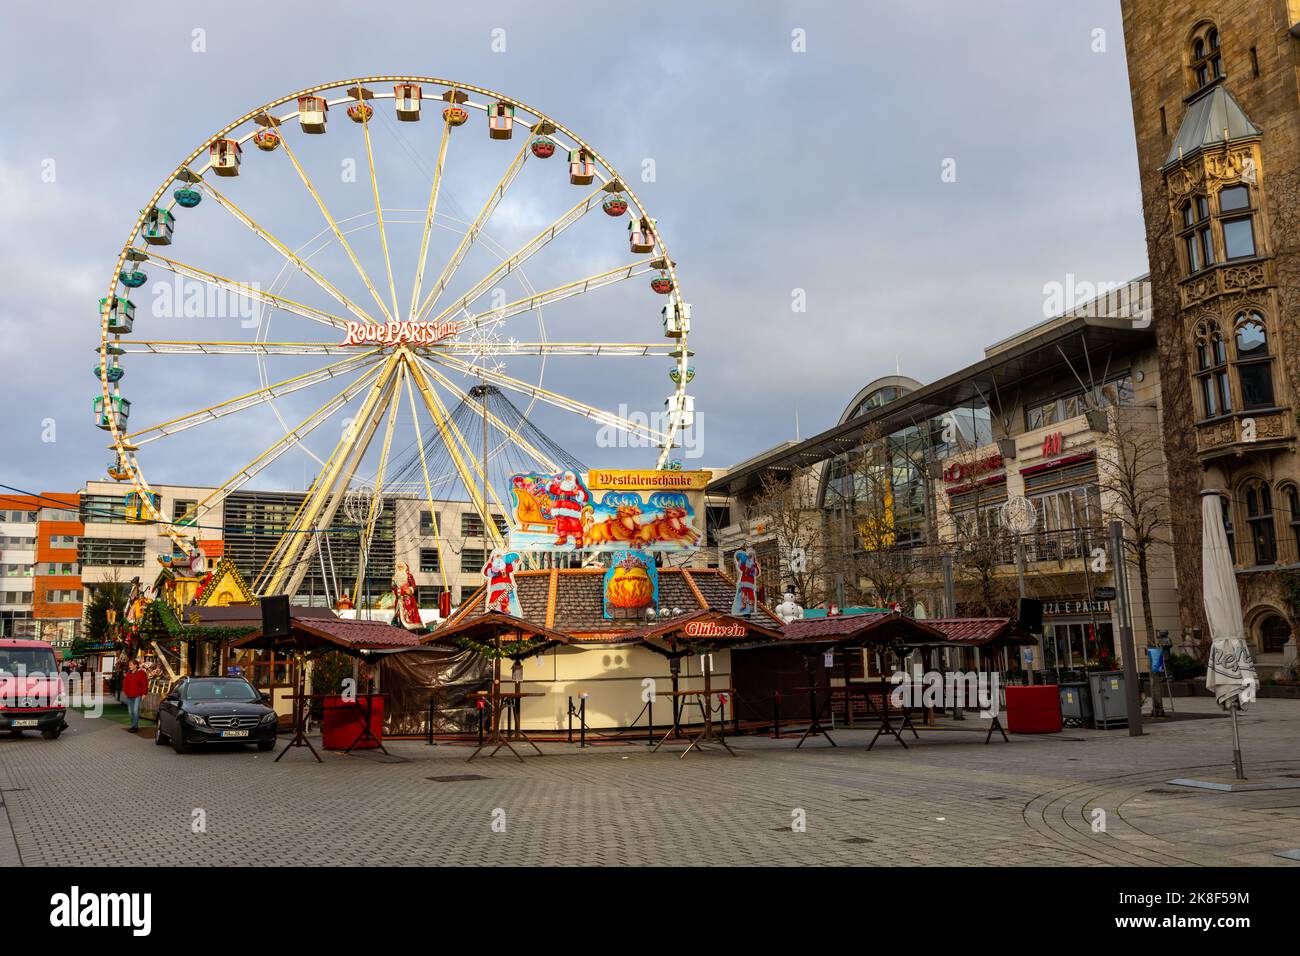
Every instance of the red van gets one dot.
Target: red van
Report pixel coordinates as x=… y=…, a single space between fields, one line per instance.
x=31 y=694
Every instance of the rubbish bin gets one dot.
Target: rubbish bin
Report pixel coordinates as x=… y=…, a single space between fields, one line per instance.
x=344 y=721
x=1033 y=709
x=1109 y=708
x=1076 y=703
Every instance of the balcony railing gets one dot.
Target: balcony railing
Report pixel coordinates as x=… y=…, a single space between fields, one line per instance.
x=1065 y=545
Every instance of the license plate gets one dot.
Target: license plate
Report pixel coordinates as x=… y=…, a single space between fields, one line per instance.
x=24 y=723
x=234 y=733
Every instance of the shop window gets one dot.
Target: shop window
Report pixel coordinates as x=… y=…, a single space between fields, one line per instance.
x=1274 y=632
x=1259 y=519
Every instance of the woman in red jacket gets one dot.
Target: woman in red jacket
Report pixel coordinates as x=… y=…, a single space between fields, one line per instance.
x=135 y=684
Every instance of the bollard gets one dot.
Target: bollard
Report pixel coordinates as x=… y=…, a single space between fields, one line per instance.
x=776 y=715
x=570 y=720
x=431 y=712
x=582 y=722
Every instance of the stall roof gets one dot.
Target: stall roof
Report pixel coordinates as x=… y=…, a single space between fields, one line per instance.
x=235 y=615
x=571 y=600
x=981 y=631
x=334 y=633
x=852 y=629
x=665 y=630
x=484 y=627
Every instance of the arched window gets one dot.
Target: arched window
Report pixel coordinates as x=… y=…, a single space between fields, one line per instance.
x=1212 y=370
x=1206 y=57
x=1196 y=234
x=1293 y=516
x=1228 y=528
x=1274 y=632
x=1259 y=517
x=1253 y=362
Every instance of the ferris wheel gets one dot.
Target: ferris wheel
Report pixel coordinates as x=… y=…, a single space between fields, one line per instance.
x=352 y=306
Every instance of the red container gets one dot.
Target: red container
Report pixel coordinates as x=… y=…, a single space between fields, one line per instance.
x=344 y=722
x=1034 y=709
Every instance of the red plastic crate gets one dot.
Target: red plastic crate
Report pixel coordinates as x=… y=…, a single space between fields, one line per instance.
x=1034 y=709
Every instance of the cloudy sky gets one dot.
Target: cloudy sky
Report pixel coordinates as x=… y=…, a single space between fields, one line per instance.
x=794 y=146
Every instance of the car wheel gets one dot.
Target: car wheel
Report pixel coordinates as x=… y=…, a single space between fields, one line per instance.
x=52 y=733
x=265 y=745
x=178 y=742
x=159 y=737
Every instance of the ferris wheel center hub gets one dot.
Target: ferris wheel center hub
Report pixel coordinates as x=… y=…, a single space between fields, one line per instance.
x=399 y=333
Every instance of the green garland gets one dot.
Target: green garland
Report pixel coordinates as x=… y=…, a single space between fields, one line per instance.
x=509 y=650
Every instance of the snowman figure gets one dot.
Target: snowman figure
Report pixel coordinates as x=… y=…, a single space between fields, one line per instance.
x=789 y=609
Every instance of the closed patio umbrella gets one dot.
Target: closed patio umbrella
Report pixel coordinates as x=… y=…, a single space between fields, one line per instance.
x=1231 y=674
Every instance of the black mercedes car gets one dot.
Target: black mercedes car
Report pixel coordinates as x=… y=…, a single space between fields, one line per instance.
x=204 y=710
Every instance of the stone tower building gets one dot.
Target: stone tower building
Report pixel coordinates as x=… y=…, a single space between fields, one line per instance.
x=1216 y=110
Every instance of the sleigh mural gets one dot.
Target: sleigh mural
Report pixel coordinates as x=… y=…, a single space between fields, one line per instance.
x=564 y=513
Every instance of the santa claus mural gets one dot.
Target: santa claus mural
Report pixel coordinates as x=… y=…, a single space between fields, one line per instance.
x=568 y=498
x=500 y=574
x=405 y=606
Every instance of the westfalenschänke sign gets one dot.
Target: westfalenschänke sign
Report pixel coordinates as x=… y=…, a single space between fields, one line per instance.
x=607 y=510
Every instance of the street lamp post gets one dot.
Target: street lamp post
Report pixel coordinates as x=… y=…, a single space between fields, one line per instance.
x=1132 y=705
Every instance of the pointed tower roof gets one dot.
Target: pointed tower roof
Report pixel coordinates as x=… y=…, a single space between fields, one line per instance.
x=1212 y=118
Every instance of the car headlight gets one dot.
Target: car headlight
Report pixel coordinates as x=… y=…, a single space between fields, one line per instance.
x=269 y=718
x=196 y=720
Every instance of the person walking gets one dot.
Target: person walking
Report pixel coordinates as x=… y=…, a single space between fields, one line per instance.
x=135 y=684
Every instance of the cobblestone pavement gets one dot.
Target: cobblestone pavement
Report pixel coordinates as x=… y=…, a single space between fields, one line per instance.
x=100 y=795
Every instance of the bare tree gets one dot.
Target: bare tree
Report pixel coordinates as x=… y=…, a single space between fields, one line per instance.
x=1131 y=474
x=787 y=507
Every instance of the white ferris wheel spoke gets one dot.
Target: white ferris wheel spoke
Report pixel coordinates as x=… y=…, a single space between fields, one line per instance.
x=451 y=435
x=321 y=503
x=508 y=348
x=429 y=214
x=245 y=290
x=252 y=399
x=428 y=487
x=154 y=347
x=266 y=236
x=379 y=218
x=290 y=438
x=377 y=499
x=551 y=398
x=471 y=234
x=542 y=460
x=518 y=258
x=568 y=290
x=334 y=226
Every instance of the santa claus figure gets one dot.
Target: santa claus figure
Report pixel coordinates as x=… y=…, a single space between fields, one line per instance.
x=406 y=607
x=500 y=574
x=568 y=497
x=747 y=569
